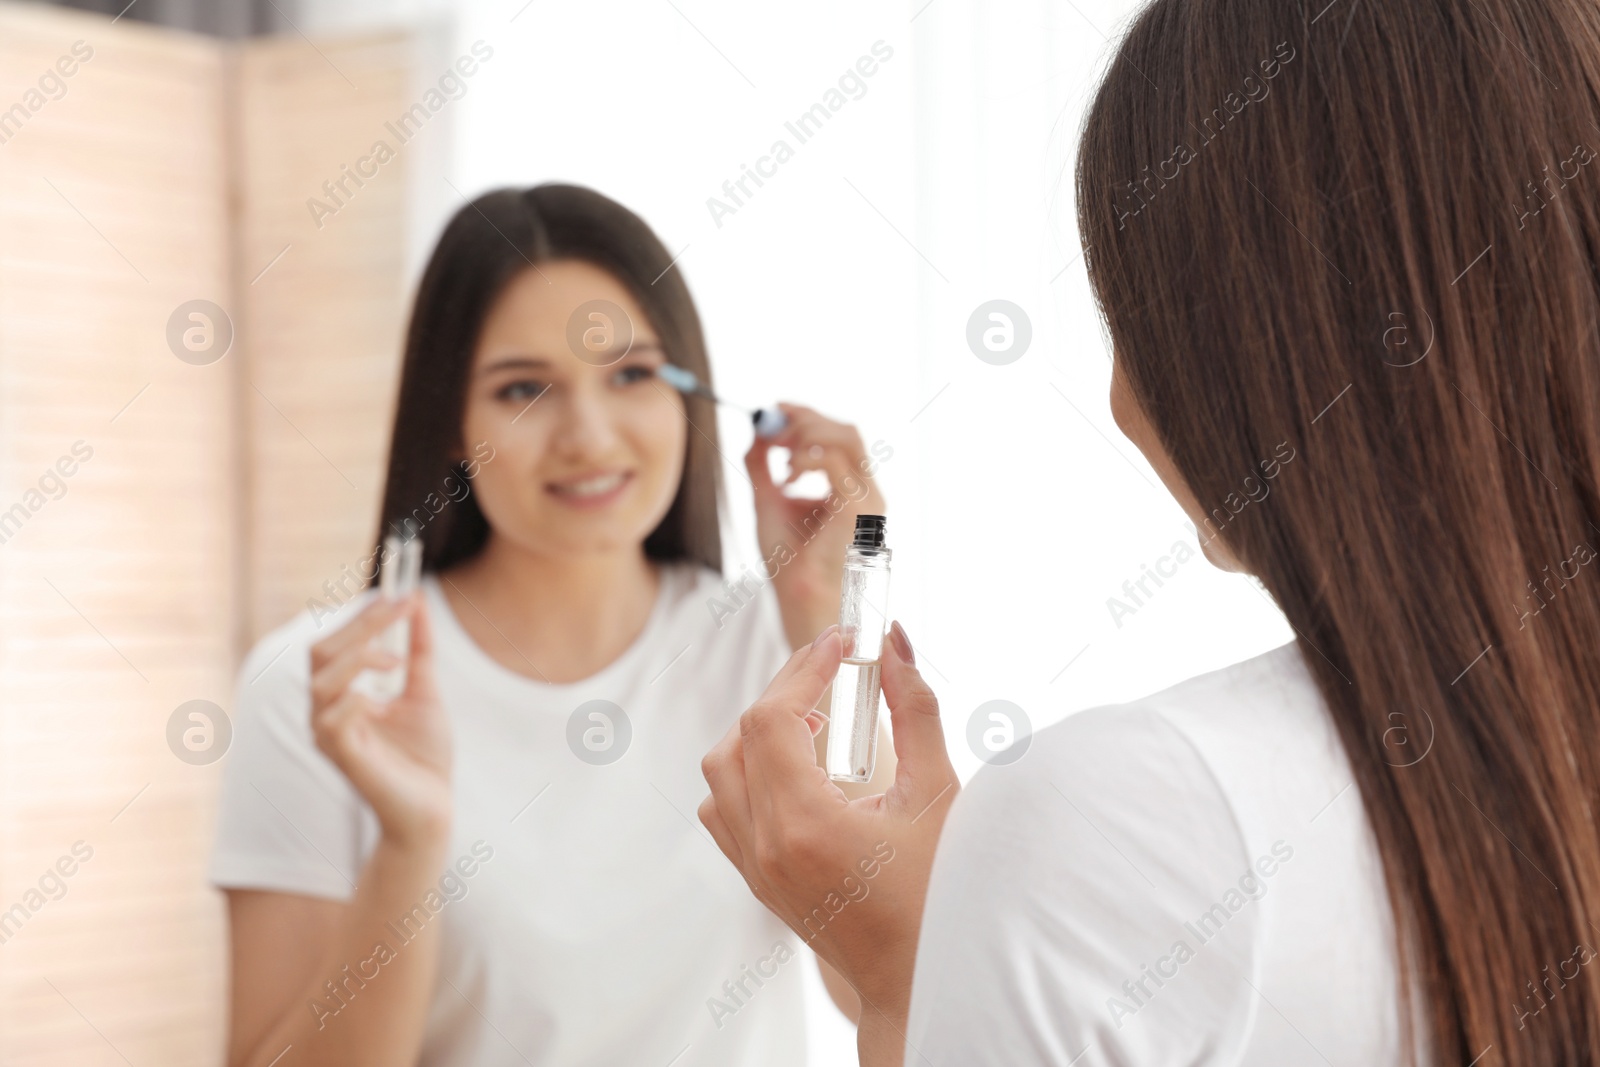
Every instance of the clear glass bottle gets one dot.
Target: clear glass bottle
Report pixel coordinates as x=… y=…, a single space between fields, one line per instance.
x=863 y=621
x=399 y=575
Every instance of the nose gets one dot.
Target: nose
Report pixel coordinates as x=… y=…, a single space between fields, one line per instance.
x=587 y=424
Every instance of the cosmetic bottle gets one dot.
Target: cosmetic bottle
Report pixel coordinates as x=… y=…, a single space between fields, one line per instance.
x=399 y=574
x=863 y=621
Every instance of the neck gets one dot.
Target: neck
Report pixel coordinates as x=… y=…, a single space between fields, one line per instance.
x=571 y=584
x=563 y=616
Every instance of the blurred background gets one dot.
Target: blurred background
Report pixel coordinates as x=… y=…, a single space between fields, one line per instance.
x=200 y=322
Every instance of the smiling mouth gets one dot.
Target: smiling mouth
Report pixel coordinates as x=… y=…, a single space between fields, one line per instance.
x=590 y=490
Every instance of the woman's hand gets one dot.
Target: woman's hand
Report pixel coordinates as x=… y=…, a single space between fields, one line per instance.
x=803 y=540
x=397 y=755
x=847 y=876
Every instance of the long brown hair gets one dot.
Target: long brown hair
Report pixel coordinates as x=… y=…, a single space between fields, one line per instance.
x=1369 y=228
x=486 y=244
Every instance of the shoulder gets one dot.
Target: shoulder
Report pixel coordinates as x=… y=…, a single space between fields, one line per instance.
x=1121 y=785
x=1113 y=849
x=287 y=819
x=1155 y=736
x=1276 y=681
x=1230 y=757
x=1224 y=721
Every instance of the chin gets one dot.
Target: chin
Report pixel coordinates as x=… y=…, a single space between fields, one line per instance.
x=600 y=533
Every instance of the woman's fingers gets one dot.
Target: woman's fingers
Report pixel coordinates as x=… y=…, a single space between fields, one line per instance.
x=711 y=818
x=780 y=760
x=795 y=664
x=789 y=700
x=723 y=768
x=335 y=676
x=816 y=442
x=843 y=468
x=755 y=463
x=924 y=774
x=363 y=628
x=811 y=446
x=332 y=723
x=827 y=434
x=800 y=415
x=420 y=676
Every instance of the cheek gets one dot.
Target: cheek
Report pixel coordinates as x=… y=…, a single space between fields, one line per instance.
x=660 y=435
x=1218 y=556
x=479 y=426
x=1129 y=419
x=1120 y=413
x=503 y=487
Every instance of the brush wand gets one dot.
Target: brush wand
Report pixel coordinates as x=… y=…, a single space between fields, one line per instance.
x=768 y=422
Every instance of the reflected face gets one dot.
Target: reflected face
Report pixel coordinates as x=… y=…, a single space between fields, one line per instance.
x=586 y=458
x=1131 y=420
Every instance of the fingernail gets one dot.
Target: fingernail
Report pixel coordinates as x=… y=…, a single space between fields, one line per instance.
x=902 y=643
x=823 y=636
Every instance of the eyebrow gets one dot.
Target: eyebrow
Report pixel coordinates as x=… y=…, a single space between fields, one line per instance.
x=519 y=362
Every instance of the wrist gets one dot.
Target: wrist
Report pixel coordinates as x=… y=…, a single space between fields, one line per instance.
x=885 y=988
x=880 y=1040
x=422 y=837
x=890 y=1004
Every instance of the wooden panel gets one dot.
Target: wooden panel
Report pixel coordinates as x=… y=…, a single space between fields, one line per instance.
x=325 y=322
x=171 y=169
x=117 y=591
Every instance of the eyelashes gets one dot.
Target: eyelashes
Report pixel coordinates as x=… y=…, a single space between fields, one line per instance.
x=520 y=391
x=527 y=389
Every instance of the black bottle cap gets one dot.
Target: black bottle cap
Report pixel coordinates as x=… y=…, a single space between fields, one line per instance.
x=869 y=532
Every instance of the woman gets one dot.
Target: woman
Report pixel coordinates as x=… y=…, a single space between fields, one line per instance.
x=501 y=867
x=1374 y=246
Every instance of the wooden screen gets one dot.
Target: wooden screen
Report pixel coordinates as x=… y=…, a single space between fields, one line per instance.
x=324 y=323
x=161 y=501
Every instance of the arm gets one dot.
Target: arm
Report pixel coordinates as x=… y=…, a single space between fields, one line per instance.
x=344 y=983
x=286 y=948
x=807 y=580
x=797 y=839
x=882 y=776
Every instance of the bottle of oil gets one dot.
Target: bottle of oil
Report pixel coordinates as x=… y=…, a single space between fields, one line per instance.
x=399 y=574
x=863 y=620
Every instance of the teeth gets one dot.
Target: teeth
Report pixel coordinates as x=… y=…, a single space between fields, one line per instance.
x=597 y=486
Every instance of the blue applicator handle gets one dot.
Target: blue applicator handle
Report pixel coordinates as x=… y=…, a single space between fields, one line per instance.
x=768 y=422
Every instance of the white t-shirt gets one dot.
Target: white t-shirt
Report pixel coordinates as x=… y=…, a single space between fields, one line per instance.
x=1187 y=879
x=589 y=919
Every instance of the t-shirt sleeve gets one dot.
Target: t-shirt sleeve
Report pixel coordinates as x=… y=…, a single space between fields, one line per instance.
x=288 y=820
x=1091 y=904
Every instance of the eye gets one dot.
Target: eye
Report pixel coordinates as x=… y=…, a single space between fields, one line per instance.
x=632 y=375
x=523 y=390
